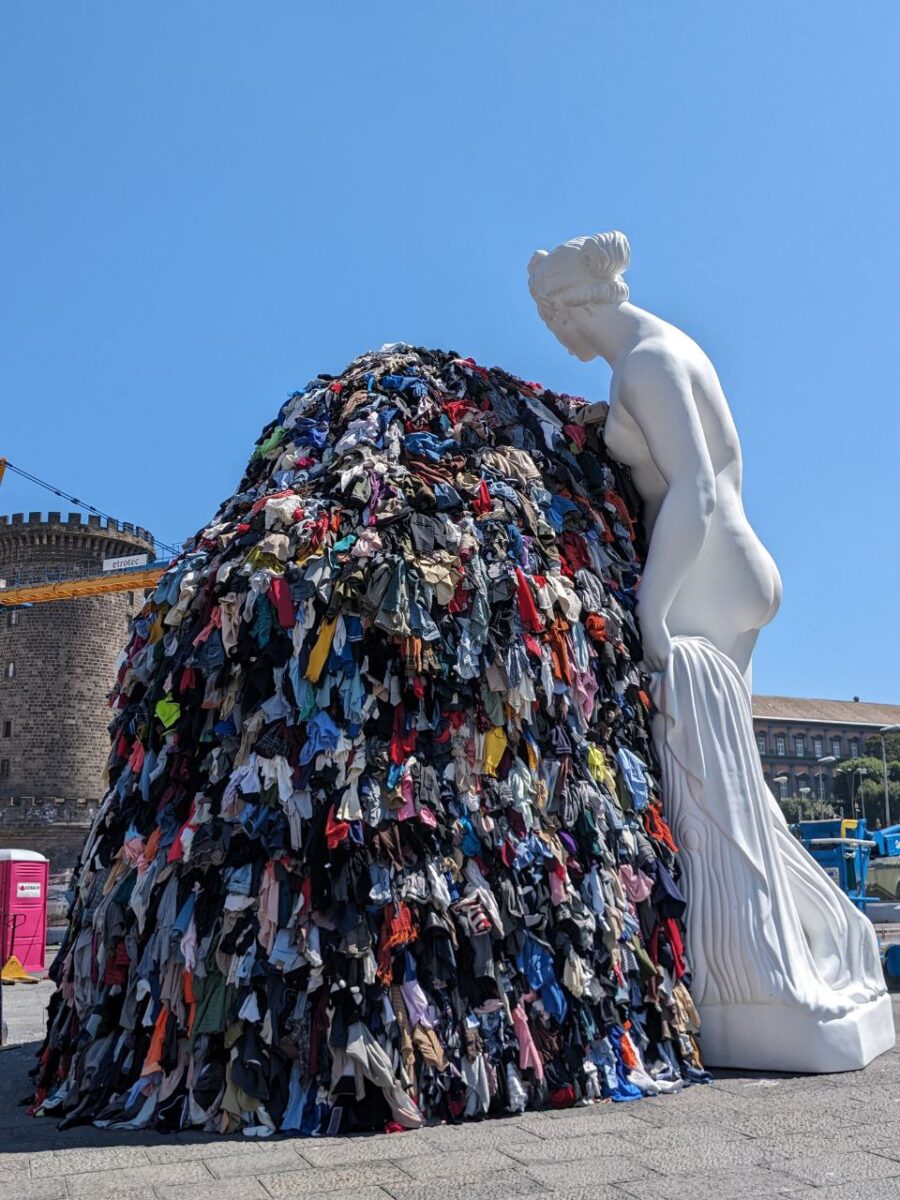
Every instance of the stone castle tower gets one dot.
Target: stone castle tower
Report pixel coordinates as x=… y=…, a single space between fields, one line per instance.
x=57 y=663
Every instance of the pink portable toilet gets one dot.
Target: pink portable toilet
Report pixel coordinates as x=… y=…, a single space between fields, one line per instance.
x=24 y=875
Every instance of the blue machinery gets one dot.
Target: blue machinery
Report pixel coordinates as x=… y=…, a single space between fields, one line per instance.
x=842 y=849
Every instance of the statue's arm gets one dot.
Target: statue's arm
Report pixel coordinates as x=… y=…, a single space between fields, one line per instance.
x=655 y=390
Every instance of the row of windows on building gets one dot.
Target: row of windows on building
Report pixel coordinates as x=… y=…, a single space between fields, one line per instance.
x=803 y=746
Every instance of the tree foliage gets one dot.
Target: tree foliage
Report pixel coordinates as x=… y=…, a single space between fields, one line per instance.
x=872 y=746
x=807 y=808
x=866 y=777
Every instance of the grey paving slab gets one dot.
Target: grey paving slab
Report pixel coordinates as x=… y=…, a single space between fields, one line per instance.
x=336 y=1152
x=696 y=1128
x=588 y=1171
x=804 y=1118
x=205 y=1148
x=828 y=1100
x=279 y=1157
x=886 y=1069
x=796 y=1113
x=92 y=1184
x=752 y=1084
x=497 y=1185
x=748 y=1183
x=880 y=1102
x=685 y=1120
x=120 y=1192
x=881 y=1138
x=706 y=1152
x=809 y=1145
x=831 y=1169
x=15 y=1160
x=603 y=1191
x=20 y=1186
x=692 y=1107
x=588 y=1120
x=666 y=1143
x=24 y=1007
x=613 y=1116
x=305 y=1182
x=710 y=1096
x=457 y=1164
x=488 y=1133
x=243 y=1188
x=75 y=1161
x=353 y=1193
x=568 y=1149
x=857 y=1189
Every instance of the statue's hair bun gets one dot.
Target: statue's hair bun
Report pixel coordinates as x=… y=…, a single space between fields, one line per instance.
x=584 y=270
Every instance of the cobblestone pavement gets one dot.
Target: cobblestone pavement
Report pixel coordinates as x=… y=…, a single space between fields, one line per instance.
x=746 y=1136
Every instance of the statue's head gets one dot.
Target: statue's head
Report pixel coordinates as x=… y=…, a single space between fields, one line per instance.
x=568 y=282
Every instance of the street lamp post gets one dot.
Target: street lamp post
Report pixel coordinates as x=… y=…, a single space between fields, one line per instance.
x=825 y=761
x=860 y=771
x=804 y=791
x=887 y=793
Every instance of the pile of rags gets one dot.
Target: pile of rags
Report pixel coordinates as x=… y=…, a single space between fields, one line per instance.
x=383 y=841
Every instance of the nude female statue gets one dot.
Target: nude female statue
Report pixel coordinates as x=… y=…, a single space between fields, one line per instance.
x=787 y=974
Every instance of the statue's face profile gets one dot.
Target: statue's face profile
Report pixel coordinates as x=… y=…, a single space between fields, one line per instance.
x=569 y=283
x=570 y=325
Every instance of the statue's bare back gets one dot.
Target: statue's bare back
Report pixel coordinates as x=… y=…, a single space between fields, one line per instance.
x=733 y=587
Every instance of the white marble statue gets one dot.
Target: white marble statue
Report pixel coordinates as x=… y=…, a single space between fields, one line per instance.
x=786 y=970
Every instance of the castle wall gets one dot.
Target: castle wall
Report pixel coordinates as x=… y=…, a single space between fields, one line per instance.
x=57 y=664
x=55 y=828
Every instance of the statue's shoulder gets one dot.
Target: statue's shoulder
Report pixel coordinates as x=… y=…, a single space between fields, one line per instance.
x=656 y=361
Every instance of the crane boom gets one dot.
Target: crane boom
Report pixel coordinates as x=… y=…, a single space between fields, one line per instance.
x=88 y=585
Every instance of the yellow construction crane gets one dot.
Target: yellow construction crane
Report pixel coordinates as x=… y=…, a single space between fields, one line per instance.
x=57 y=586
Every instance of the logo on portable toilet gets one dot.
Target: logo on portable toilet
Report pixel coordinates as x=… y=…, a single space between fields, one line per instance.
x=28 y=891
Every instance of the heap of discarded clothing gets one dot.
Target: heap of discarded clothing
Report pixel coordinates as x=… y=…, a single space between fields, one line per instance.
x=383 y=841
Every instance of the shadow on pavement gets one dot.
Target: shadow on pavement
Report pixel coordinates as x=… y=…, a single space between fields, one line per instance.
x=20 y=1132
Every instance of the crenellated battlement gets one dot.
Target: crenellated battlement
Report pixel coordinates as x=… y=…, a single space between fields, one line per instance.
x=74 y=522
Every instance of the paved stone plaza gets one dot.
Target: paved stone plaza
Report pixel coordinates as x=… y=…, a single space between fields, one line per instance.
x=812 y=1138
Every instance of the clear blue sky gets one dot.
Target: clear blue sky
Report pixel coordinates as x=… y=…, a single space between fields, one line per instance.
x=205 y=204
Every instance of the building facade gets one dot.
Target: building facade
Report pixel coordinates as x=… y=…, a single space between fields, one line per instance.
x=795 y=735
x=57 y=664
